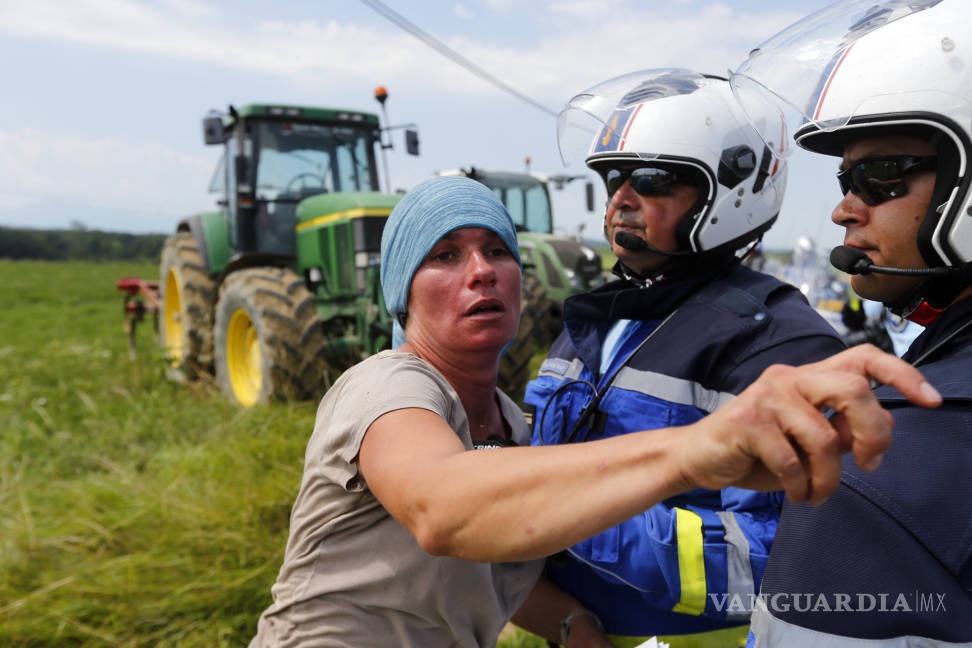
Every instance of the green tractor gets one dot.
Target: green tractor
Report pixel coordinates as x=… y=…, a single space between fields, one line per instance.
x=278 y=291
x=554 y=266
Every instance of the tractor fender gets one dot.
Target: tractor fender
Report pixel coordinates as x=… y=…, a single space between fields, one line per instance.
x=193 y=225
x=211 y=234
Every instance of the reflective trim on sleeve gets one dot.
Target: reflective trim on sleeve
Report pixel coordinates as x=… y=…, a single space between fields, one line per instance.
x=691 y=562
x=561 y=369
x=673 y=390
x=739 y=571
x=770 y=632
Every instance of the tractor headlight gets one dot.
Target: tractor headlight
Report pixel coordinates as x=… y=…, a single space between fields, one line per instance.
x=314 y=276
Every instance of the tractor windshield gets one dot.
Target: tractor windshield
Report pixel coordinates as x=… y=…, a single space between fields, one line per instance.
x=525 y=197
x=297 y=160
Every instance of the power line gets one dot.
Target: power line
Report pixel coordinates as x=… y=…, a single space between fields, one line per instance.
x=451 y=54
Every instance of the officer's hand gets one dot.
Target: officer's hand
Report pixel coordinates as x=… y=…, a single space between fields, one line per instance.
x=773 y=435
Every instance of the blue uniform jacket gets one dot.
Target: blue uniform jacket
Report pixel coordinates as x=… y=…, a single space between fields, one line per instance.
x=669 y=570
x=889 y=555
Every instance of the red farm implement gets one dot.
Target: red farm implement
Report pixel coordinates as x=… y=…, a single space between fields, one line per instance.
x=141 y=297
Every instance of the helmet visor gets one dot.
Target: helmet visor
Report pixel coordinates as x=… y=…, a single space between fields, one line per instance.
x=790 y=72
x=595 y=119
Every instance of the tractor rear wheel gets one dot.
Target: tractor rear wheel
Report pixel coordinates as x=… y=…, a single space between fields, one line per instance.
x=188 y=293
x=532 y=337
x=270 y=343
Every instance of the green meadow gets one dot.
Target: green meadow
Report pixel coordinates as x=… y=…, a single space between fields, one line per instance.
x=134 y=511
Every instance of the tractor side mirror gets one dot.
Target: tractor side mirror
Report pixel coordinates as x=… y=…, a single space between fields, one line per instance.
x=213 y=132
x=589 y=195
x=411 y=141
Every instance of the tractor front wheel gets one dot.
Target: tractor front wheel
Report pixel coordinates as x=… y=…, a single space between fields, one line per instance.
x=269 y=339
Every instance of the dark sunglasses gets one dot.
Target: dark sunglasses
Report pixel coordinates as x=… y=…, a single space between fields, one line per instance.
x=646 y=181
x=877 y=180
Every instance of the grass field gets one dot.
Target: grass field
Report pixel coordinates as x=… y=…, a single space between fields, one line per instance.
x=133 y=511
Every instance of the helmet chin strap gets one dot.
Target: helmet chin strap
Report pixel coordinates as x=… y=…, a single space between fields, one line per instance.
x=936 y=293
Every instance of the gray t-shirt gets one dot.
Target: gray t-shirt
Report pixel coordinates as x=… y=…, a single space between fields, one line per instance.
x=352 y=575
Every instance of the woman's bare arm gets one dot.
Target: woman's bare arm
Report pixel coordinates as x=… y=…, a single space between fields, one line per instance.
x=521 y=503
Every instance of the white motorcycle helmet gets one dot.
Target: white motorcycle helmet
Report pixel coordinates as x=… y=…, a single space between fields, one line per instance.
x=861 y=68
x=688 y=123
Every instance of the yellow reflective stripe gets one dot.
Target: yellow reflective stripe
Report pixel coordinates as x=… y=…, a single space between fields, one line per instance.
x=691 y=562
x=735 y=637
x=357 y=212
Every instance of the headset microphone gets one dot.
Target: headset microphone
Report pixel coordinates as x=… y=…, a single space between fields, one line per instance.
x=853 y=261
x=630 y=242
x=634 y=243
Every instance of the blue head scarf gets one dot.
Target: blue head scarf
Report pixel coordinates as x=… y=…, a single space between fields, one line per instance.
x=424 y=215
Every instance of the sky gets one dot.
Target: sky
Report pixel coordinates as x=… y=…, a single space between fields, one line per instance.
x=102 y=101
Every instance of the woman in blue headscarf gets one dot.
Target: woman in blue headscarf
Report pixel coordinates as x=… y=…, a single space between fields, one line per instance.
x=358 y=572
x=419 y=522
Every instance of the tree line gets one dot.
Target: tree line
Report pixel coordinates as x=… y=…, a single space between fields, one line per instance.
x=78 y=245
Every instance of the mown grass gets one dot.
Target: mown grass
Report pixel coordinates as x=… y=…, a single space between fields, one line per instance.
x=134 y=511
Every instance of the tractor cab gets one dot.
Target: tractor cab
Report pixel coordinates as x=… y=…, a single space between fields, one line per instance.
x=275 y=157
x=525 y=195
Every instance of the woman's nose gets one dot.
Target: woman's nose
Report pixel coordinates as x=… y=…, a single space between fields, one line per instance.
x=480 y=269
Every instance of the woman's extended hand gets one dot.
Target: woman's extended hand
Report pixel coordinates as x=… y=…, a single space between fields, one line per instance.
x=774 y=434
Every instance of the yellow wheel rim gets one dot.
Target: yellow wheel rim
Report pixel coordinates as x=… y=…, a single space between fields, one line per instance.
x=174 y=345
x=243 y=361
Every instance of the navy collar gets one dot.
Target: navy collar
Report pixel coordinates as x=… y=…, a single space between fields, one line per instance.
x=954 y=317
x=627 y=299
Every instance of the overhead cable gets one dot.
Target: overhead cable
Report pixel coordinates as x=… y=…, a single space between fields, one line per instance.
x=451 y=54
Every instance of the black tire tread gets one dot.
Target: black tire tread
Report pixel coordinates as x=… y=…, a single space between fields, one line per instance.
x=181 y=253
x=291 y=334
